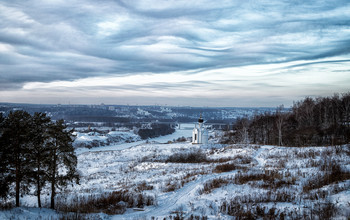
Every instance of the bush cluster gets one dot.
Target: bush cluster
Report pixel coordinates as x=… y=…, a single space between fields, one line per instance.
x=241 y=210
x=194 y=156
x=110 y=203
x=216 y=183
x=335 y=174
x=269 y=178
x=233 y=208
x=227 y=167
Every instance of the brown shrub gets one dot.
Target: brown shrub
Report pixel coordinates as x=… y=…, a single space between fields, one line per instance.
x=227 y=167
x=110 y=203
x=335 y=174
x=143 y=186
x=212 y=184
x=195 y=156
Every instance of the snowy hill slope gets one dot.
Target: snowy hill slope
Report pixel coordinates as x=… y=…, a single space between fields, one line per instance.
x=229 y=180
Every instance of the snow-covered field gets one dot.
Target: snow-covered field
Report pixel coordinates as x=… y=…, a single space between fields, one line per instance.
x=231 y=179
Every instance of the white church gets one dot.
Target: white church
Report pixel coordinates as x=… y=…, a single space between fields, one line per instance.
x=200 y=133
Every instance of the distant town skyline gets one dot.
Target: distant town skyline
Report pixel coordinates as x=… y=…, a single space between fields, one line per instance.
x=181 y=53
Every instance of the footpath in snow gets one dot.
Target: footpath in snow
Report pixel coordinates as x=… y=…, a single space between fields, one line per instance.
x=169 y=202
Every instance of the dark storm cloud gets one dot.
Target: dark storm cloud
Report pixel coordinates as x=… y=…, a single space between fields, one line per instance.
x=43 y=41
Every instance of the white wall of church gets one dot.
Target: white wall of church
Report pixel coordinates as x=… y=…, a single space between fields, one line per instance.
x=199 y=134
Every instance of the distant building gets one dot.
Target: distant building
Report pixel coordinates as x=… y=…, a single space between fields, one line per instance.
x=111 y=108
x=200 y=133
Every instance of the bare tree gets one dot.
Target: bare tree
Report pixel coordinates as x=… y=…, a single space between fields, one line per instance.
x=346 y=108
x=242 y=127
x=280 y=118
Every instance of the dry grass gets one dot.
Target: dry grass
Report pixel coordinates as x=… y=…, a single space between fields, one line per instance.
x=210 y=185
x=194 y=156
x=227 y=167
x=240 y=209
x=334 y=175
x=109 y=203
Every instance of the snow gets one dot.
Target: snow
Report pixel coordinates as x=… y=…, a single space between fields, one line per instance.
x=28 y=213
x=122 y=146
x=258 y=155
x=83 y=137
x=125 y=165
x=187 y=198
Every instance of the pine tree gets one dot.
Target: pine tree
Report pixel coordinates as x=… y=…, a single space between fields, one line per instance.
x=4 y=187
x=15 y=150
x=61 y=156
x=39 y=151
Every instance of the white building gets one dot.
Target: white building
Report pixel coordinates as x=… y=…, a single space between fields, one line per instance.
x=200 y=133
x=111 y=108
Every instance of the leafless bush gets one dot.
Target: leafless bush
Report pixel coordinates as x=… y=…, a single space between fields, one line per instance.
x=269 y=178
x=310 y=153
x=281 y=195
x=176 y=183
x=233 y=208
x=317 y=195
x=323 y=210
x=243 y=159
x=194 y=156
x=181 y=139
x=210 y=185
x=197 y=217
x=335 y=174
x=243 y=208
x=181 y=215
x=227 y=167
x=221 y=160
x=109 y=203
x=143 y=186
x=171 y=186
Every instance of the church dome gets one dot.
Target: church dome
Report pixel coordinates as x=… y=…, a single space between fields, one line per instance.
x=200 y=120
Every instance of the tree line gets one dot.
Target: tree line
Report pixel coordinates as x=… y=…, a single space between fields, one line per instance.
x=156 y=130
x=35 y=151
x=311 y=121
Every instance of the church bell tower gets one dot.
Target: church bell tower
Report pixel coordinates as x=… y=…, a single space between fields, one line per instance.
x=200 y=133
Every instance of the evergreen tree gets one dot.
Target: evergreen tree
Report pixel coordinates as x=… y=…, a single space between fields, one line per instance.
x=39 y=151
x=4 y=187
x=14 y=150
x=62 y=156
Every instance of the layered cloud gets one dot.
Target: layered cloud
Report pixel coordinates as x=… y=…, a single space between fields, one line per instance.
x=225 y=47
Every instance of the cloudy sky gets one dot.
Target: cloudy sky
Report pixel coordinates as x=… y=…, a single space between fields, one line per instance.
x=173 y=52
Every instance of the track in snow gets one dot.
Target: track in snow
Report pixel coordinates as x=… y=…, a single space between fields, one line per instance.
x=169 y=202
